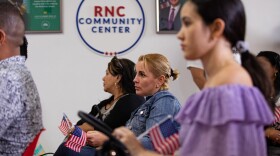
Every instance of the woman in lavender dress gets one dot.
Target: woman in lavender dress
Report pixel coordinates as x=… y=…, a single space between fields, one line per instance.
x=227 y=118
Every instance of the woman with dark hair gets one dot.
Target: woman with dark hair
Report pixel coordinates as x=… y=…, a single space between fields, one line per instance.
x=271 y=64
x=118 y=81
x=115 y=110
x=227 y=118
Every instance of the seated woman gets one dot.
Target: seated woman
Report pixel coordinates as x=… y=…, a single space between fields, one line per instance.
x=271 y=63
x=152 y=74
x=115 y=110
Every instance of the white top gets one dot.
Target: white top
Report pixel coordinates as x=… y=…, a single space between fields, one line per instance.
x=198 y=64
x=194 y=63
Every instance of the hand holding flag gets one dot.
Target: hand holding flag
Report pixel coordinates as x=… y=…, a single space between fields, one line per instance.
x=77 y=139
x=164 y=136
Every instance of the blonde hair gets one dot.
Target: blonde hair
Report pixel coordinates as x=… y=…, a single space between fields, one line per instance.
x=159 y=65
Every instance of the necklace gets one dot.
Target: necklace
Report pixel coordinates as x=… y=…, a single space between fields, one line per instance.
x=113 y=102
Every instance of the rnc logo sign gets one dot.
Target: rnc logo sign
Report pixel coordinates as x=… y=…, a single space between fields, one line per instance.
x=110 y=27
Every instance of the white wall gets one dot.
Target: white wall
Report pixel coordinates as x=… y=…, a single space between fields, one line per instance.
x=68 y=74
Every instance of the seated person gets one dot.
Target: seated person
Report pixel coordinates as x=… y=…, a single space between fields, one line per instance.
x=270 y=61
x=114 y=111
x=152 y=74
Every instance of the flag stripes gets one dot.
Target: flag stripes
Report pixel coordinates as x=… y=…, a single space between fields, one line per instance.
x=76 y=140
x=164 y=145
x=277 y=114
x=164 y=136
x=64 y=127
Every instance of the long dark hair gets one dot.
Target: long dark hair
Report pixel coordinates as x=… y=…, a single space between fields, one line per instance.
x=124 y=68
x=274 y=59
x=233 y=14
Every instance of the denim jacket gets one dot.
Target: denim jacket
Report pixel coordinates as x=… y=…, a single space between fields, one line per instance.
x=156 y=108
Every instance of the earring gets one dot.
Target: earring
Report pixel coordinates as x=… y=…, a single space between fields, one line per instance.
x=116 y=85
x=275 y=74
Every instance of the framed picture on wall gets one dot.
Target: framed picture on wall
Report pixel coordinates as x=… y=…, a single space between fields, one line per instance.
x=41 y=16
x=168 y=16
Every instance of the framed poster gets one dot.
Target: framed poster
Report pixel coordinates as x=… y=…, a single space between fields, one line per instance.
x=42 y=16
x=168 y=16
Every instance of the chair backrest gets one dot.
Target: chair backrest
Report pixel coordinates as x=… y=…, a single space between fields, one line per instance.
x=29 y=151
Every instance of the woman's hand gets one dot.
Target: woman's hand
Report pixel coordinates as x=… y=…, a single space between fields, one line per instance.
x=273 y=134
x=86 y=127
x=96 y=138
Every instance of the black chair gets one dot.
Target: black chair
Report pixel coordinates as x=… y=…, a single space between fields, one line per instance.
x=111 y=147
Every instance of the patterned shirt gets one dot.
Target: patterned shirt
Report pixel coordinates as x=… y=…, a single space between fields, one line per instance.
x=20 y=107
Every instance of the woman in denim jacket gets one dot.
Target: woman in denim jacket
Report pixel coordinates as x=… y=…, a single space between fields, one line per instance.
x=152 y=74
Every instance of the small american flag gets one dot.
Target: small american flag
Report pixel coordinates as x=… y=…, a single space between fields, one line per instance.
x=65 y=125
x=76 y=140
x=277 y=115
x=165 y=137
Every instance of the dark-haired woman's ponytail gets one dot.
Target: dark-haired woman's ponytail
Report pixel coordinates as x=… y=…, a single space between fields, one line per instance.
x=174 y=73
x=258 y=75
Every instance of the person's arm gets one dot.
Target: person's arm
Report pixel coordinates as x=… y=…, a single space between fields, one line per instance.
x=198 y=76
x=86 y=127
x=273 y=134
x=134 y=147
x=161 y=108
x=96 y=138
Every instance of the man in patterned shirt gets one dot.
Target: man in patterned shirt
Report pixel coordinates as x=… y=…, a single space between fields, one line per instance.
x=20 y=108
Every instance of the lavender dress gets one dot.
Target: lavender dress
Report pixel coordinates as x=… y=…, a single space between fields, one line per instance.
x=227 y=120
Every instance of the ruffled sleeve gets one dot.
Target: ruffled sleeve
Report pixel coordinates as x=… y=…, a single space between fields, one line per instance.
x=226 y=120
x=219 y=105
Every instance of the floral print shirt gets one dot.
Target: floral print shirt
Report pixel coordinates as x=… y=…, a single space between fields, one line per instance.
x=20 y=107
